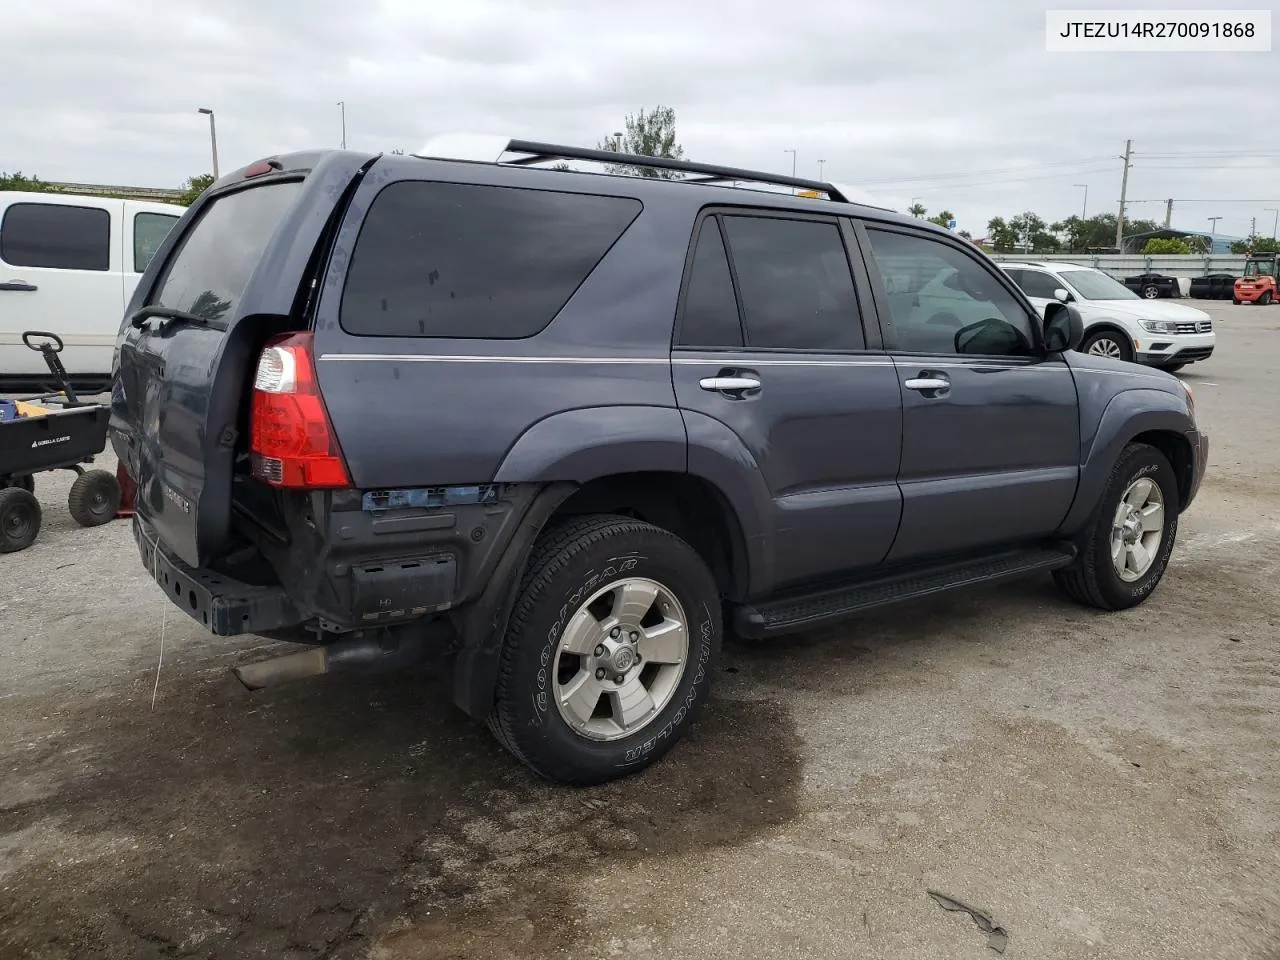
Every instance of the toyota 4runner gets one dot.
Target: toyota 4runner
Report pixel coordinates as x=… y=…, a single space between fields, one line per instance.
x=576 y=425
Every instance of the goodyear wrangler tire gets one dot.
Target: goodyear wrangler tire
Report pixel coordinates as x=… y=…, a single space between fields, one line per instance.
x=1126 y=547
x=610 y=650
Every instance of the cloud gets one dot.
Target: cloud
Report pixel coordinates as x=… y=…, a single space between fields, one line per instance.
x=915 y=100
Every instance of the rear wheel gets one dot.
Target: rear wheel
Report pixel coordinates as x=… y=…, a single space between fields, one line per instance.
x=19 y=519
x=94 y=498
x=1150 y=292
x=609 y=652
x=25 y=482
x=1126 y=547
x=1265 y=298
x=1108 y=343
x=1236 y=302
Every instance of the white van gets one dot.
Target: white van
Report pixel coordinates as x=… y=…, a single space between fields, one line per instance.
x=68 y=264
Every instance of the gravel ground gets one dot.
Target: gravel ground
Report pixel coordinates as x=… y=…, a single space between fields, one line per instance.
x=1105 y=786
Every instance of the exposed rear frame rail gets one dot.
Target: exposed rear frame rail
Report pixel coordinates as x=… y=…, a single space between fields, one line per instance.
x=541 y=152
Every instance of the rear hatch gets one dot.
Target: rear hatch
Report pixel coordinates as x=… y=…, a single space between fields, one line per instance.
x=237 y=270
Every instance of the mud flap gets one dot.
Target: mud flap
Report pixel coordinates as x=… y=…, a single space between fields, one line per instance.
x=483 y=625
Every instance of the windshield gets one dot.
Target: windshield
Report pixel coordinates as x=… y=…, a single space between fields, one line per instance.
x=1095 y=285
x=1260 y=268
x=207 y=274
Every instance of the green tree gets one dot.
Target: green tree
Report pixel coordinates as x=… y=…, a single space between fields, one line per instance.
x=1170 y=245
x=917 y=210
x=18 y=181
x=1255 y=244
x=195 y=186
x=942 y=219
x=650 y=134
x=1001 y=235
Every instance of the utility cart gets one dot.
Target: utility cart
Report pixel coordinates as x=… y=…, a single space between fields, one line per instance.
x=56 y=431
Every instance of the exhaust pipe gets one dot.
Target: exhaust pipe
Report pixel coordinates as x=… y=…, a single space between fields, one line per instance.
x=383 y=650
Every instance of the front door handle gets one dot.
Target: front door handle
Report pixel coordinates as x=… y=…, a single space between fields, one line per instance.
x=926 y=383
x=729 y=384
x=19 y=286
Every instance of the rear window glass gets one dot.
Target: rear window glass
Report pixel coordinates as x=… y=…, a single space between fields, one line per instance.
x=211 y=267
x=55 y=235
x=461 y=260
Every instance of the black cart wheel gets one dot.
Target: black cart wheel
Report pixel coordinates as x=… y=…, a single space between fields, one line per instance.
x=26 y=482
x=19 y=519
x=94 y=498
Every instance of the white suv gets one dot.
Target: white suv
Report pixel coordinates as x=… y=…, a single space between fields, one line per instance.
x=1117 y=322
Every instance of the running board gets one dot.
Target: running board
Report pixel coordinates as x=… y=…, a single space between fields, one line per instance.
x=807 y=611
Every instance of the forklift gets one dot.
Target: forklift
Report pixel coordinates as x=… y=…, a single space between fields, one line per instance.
x=1259 y=283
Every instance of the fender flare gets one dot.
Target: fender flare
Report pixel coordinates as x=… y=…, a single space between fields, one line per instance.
x=1126 y=415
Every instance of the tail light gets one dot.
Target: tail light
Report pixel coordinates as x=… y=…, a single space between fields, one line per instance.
x=292 y=441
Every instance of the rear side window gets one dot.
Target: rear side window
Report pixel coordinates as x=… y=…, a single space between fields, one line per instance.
x=60 y=236
x=469 y=261
x=212 y=265
x=710 y=308
x=149 y=231
x=795 y=284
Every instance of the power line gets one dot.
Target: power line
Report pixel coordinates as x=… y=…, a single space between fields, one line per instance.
x=976 y=173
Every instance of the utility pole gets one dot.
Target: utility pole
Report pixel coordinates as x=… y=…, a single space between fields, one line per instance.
x=342 y=106
x=1275 y=221
x=1253 y=229
x=1084 y=207
x=1124 y=188
x=793 y=165
x=820 y=163
x=1168 y=212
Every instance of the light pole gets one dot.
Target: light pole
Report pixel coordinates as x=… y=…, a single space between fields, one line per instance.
x=1275 y=221
x=1213 y=229
x=213 y=139
x=820 y=163
x=342 y=106
x=793 y=165
x=1084 y=208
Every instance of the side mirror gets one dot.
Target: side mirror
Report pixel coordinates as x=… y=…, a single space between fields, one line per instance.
x=1063 y=295
x=1063 y=327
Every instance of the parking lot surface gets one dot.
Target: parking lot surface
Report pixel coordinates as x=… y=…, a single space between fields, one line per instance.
x=1103 y=785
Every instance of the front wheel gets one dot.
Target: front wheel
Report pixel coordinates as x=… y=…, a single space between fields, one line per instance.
x=1151 y=292
x=1108 y=343
x=19 y=519
x=1126 y=548
x=609 y=652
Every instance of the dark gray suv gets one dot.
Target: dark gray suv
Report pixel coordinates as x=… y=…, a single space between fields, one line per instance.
x=571 y=427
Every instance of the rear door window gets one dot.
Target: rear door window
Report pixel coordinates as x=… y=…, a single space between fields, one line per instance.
x=710 y=308
x=469 y=261
x=57 y=236
x=149 y=231
x=212 y=265
x=795 y=284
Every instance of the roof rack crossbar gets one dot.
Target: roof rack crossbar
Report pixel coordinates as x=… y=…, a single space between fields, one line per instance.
x=551 y=151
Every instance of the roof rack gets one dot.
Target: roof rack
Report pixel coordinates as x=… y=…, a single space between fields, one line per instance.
x=491 y=149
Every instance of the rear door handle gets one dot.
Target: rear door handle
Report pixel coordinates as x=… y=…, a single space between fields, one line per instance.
x=729 y=384
x=926 y=383
x=19 y=286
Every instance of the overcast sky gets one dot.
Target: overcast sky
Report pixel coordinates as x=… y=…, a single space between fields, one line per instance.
x=956 y=99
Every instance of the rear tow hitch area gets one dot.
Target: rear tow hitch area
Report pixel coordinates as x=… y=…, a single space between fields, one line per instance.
x=377 y=651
